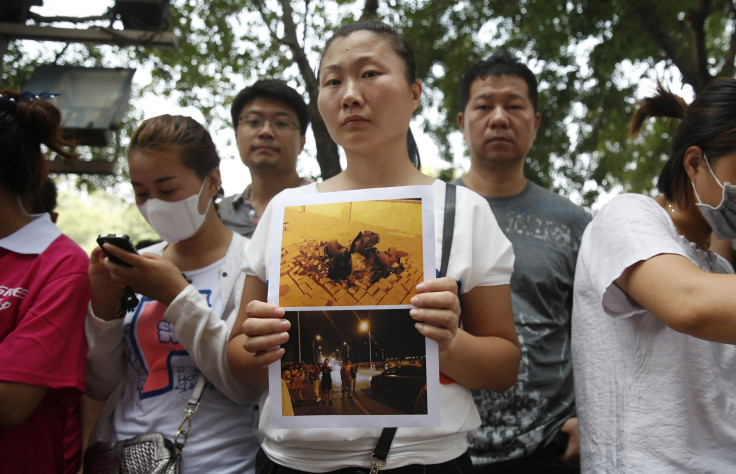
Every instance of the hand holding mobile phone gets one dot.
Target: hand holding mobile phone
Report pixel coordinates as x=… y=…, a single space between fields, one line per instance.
x=119 y=240
x=128 y=300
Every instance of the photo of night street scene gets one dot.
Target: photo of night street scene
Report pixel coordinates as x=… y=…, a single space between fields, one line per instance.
x=354 y=362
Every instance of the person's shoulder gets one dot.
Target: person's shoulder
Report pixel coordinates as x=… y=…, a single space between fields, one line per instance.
x=563 y=207
x=470 y=207
x=308 y=188
x=279 y=198
x=239 y=239
x=230 y=198
x=63 y=246
x=227 y=201
x=630 y=208
x=555 y=197
x=64 y=257
x=628 y=202
x=463 y=194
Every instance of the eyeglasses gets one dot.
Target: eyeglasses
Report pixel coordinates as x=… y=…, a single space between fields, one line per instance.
x=277 y=124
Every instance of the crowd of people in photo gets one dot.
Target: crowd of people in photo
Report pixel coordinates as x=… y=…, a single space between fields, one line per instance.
x=309 y=383
x=567 y=342
x=312 y=382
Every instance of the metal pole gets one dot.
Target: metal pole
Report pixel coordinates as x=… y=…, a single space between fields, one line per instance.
x=299 y=335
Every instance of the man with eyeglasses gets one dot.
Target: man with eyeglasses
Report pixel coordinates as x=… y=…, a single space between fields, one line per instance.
x=270 y=121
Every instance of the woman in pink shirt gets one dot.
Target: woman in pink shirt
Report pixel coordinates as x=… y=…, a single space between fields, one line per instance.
x=44 y=290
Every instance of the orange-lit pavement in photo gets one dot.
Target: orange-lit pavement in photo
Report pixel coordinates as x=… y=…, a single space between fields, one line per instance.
x=304 y=280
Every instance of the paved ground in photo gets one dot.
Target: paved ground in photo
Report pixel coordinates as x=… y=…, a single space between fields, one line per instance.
x=304 y=280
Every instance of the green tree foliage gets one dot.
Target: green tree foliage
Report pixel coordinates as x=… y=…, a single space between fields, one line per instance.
x=83 y=217
x=589 y=55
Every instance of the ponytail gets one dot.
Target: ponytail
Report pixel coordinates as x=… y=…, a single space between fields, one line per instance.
x=411 y=145
x=663 y=104
x=709 y=122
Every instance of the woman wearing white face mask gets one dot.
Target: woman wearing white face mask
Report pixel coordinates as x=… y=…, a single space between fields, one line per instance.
x=144 y=362
x=654 y=314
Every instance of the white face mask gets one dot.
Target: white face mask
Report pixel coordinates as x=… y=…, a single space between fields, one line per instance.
x=174 y=221
x=722 y=218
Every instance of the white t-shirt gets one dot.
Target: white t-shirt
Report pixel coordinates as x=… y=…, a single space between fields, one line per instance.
x=649 y=399
x=480 y=256
x=164 y=374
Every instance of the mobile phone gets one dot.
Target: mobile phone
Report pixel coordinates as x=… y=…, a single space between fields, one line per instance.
x=119 y=240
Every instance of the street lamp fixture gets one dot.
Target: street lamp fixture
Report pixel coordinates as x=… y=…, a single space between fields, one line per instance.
x=363 y=327
x=92 y=100
x=317 y=337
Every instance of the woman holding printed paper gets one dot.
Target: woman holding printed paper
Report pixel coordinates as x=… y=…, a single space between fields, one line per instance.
x=368 y=93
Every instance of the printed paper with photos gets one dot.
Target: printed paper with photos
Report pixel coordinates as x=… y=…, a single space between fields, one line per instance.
x=345 y=268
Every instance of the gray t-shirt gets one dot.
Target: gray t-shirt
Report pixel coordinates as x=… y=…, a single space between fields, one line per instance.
x=545 y=230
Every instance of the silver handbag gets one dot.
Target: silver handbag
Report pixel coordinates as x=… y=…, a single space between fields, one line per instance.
x=146 y=453
x=149 y=453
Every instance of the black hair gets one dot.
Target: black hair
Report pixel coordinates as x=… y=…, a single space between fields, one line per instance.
x=274 y=89
x=708 y=122
x=44 y=199
x=401 y=47
x=28 y=121
x=502 y=64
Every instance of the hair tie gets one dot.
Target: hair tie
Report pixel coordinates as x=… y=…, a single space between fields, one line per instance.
x=27 y=95
x=8 y=100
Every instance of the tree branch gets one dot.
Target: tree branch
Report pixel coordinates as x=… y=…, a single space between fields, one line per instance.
x=307 y=17
x=60 y=53
x=264 y=17
x=683 y=57
x=697 y=22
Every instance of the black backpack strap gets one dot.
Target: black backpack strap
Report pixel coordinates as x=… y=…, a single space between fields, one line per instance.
x=379 y=455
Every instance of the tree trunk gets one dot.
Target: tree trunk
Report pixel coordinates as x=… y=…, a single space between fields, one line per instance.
x=327 y=156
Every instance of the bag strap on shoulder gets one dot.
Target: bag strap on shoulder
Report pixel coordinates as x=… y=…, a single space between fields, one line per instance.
x=190 y=409
x=379 y=455
x=448 y=227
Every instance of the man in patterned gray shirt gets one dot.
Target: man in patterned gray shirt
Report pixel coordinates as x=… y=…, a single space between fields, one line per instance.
x=531 y=428
x=270 y=121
